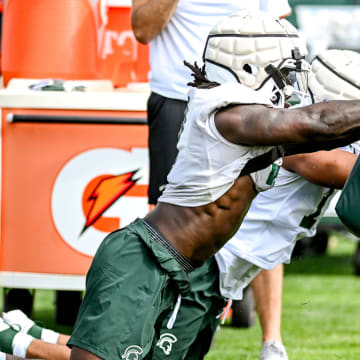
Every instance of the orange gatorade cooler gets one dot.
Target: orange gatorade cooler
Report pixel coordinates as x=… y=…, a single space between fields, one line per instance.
x=49 y=39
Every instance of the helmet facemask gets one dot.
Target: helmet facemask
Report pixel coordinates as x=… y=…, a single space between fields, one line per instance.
x=289 y=80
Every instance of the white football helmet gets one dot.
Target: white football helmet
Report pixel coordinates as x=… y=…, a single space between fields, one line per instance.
x=259 y=51
x=335 y=76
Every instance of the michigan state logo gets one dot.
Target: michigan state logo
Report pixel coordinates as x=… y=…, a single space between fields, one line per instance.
x=132 y=352
x=166 y=342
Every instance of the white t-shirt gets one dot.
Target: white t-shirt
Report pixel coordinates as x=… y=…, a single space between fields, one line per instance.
x=207 y=164
x=184 y=38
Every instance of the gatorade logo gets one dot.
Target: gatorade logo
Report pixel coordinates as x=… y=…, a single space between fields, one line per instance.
x=101 y=193
x=97 y=192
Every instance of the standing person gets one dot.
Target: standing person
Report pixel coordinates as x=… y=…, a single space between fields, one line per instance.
x=232 y=131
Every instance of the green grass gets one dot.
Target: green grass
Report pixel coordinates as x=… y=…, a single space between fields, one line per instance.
x=321 y=308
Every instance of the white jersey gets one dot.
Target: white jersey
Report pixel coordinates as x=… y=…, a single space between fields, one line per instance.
x=207 y=164
x=277 y=218
x=184 y=38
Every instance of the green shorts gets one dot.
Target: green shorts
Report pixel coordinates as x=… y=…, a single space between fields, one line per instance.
x=197 y=319
x=131 y=286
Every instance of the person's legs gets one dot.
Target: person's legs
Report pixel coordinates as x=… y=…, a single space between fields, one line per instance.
x=267 y=288
x=197 y=319
x=165 y=117
x=131 y=286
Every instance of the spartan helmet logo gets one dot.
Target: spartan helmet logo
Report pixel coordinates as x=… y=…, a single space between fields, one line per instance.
x=165 y=342
x=132 y=352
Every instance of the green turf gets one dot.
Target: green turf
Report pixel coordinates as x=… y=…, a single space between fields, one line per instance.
x=321 y=308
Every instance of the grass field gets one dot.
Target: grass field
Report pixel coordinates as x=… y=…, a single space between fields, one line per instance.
x=321 y=311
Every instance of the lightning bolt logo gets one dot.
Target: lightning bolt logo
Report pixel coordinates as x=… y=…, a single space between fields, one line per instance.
x=107 y=191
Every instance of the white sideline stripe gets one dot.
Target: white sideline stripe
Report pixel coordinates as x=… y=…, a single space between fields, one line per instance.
x=42 y=281
x=73 y=100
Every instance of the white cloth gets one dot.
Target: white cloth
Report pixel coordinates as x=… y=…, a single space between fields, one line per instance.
x=268 y=233
x=271 y=227
x=234 y=274
x=207 y=164
x=184 y=38
x=49 y=336
x=21 y=343
x=2 y=356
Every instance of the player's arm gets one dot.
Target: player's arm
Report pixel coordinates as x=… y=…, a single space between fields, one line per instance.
x=325 y=168
x=311 y=128
x=149 y=17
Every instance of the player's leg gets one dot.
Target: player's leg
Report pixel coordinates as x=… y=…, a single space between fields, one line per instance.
x=165 y=117
x=197 y=319
x=267 y=289
x=127 y=288
x=206 y=336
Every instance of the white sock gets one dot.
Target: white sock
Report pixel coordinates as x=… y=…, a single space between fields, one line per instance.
x=21 y=343
x=49 y=336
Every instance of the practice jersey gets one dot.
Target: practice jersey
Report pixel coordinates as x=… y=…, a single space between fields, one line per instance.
x=207 y=164
x=277 y=218
x=184 y=38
